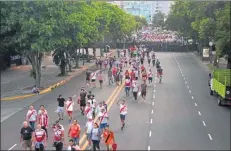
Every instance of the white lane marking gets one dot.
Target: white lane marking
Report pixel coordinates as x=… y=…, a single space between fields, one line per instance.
x=187 y=86
x=152 y=103
x=186 y=82
x=155 y=81
x=210 y=137
x=150 y=133
x=195 y=104
x=154 y=90
x=190 y=91
x=154 y=85
x=12 y=146
x=192 y=97
x=152 y=111
x=203 y=123
x=182 y=75
x=184 y=78
x=74 y=96
x=154 y=96
x=149 y=148
x=199 y=112
x=151 y=121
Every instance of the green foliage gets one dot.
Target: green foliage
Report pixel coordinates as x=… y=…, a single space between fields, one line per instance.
x=158 y=19
x=202 y=21
x=33 y=27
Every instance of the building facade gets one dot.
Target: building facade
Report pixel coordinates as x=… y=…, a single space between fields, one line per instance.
x=143 y=8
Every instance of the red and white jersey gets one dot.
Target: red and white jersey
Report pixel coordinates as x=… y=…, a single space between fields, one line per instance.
x=58 y=134
x=31 y=115
x=40 y=135
x=69 y=105
x=43 y=120
x=88 y=111
x=150 y=74
x=123 y=109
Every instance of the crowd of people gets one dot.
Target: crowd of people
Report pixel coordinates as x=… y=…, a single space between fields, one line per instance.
x=128 y=67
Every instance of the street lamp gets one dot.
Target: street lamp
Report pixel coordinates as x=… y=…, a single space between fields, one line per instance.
x=210 y=51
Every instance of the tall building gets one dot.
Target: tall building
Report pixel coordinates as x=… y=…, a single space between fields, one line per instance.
x=143 y=8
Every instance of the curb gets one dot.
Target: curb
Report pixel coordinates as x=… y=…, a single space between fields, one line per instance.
x=52 y=87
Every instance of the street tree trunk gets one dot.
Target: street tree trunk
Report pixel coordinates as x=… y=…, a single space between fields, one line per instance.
x=87 y=53
x=215 y=63
x=36 y=59
x=228 y=62
x=94 y=52
x=63 y=67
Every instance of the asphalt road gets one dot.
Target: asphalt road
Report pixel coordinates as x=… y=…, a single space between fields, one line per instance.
x=179 y=113
x=10 y=128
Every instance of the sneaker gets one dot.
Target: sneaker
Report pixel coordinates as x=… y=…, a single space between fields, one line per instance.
x=89 y=147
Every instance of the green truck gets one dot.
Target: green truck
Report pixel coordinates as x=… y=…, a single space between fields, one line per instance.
x=220 y=84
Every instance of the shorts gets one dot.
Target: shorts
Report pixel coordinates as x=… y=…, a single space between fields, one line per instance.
x=150 y=78
x=92 y=80
x=60 y=109
x=69 y=113
x=27 y=143
x=122 y=117
x=82 y=103
x=100 y=81
x=102 y=125
x=88 y=79
x=58 y=145
x=88 y=136
x=143 y=93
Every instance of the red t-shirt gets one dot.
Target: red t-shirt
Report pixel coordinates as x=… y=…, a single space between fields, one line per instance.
x=58 y=134
x=114 y=71
x=40 y=135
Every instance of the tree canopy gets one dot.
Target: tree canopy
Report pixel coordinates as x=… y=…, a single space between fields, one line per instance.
x=34 y=27
x=158 y=19
x=203 y=22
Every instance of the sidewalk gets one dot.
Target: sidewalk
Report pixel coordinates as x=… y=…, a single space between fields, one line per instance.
x=16 y=81
x=222 y=62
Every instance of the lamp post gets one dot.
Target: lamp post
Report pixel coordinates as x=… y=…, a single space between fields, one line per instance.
x=210 y=51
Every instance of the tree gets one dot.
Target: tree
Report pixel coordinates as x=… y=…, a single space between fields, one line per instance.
x=203 y=22
x=158 y=19
x=34 y=27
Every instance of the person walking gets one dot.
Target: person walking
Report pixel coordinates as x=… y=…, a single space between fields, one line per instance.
x=109 y=74
x=109 y=138
x=31 y=116
x=69 y=108
x=135 y=89
x=60 y=108
x=100 y=78
x=40 y=138
x=103 y=119
x=74 y=132
x=95 y=137
x=43 y=121
x=26 y=136
x=88 y=129
x=58 y=139
x=123 y=112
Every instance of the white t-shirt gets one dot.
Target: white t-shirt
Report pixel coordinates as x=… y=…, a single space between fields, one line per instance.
x=149 y=74
x=103 y=117
x=136 y=73
x=93 y=75
x=135 y=88
x=88 y=111
x=89 y=126
x=32 y=114
x=123 y=109
x=71 y=107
